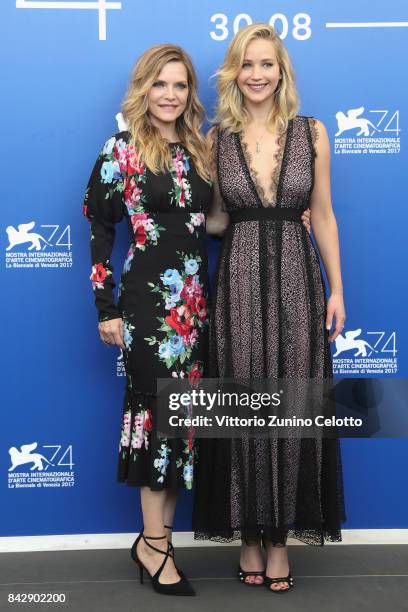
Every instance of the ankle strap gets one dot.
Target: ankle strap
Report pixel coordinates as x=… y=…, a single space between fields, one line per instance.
x=167 y=553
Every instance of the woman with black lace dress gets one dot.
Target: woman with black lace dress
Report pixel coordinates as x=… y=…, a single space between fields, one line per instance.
x=270 y=315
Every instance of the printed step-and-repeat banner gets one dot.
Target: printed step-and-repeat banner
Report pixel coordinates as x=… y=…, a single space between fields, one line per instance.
x=65 y=69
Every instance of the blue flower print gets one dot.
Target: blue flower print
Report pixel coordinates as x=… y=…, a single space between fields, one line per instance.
x=176 y=345
x=171 y=302
x=109 y=171
x=129 y=259
x=170 y=277
x=127 y=333
x=162 y=461
x=175 y=289
x=188 y=475
x=120 y=145
x=108 y=148
x=165 y=350
x=191 y=266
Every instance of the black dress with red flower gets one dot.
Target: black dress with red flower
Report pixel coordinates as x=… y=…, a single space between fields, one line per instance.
x=162 y=295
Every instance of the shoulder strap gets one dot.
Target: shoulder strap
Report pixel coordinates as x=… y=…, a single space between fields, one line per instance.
x=311 y=132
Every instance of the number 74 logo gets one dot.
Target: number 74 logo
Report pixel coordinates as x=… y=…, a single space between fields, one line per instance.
x=98 y=5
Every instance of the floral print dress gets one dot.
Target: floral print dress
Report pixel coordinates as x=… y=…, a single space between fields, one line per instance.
x=162 y=295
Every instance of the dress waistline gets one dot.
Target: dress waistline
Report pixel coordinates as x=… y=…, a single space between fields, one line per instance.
x=265 y=213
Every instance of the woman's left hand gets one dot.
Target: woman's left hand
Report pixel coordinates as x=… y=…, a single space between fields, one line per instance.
x=335 y=308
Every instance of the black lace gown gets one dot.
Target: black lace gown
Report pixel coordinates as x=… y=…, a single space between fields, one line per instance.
x=268 y=320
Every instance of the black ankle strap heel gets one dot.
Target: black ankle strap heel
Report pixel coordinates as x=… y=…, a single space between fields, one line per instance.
x=174 y=552
x=182 y=587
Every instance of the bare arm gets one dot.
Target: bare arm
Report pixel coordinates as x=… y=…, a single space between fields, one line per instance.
x=324 y=228
x=217 y=219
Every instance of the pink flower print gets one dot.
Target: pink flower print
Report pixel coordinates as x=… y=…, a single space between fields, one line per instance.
x=122 y=159
x=179 y=168
x=137 y=431
x=191 y=290
x=129 y=162
x=125 y=433
x=197 y=219
x=193 y=337
x=129 y=188
x=198 y=290
x=136 y=193
x=182 y=195
x=179 y=164
x=139 y=221
x=140 y=167
x=142 y=424
x=148 y=225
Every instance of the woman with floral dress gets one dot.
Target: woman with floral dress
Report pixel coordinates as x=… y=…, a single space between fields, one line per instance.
x=155 y=176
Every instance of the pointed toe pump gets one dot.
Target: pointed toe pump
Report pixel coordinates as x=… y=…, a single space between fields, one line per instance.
x=182 y=587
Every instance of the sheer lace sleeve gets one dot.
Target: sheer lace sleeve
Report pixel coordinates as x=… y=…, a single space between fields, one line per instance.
x=314 y=133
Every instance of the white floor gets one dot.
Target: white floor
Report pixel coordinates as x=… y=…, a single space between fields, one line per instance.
x=94 y=541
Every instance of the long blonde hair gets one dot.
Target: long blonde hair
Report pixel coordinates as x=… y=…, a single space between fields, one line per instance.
x=231 y=113
x=145 y=137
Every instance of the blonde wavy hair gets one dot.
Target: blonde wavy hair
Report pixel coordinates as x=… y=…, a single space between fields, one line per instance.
x=145 y=137
x=231 y=114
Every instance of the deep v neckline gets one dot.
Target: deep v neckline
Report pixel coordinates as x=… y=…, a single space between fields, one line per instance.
x=276 y=174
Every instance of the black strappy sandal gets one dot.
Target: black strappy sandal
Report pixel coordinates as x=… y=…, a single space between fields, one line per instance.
x=242 y=575
x=182 y=587
x=268 y=581
x=174 y=552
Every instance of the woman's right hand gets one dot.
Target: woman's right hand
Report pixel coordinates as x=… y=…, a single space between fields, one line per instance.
x=111 y=332
x=306 y=219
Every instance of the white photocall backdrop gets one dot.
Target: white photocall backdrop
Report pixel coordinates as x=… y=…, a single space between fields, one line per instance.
x=65 y=69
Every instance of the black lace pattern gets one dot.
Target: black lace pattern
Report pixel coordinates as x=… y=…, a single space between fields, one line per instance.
x=268 y=320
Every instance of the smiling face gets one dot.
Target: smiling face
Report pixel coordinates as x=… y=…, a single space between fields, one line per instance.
x=260 y=72
x=167 y=98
